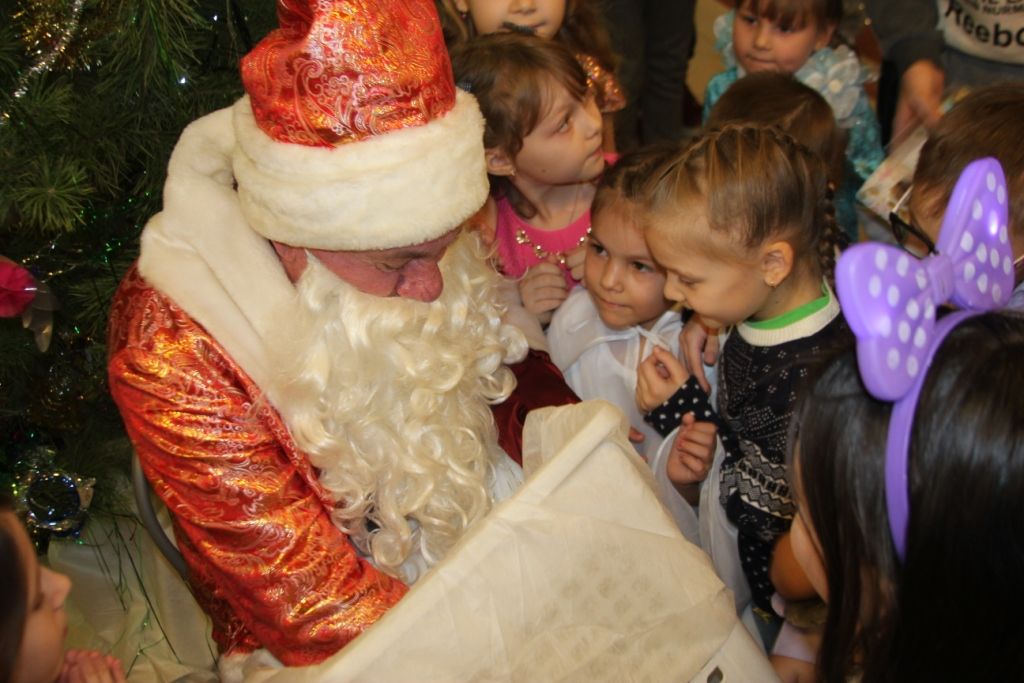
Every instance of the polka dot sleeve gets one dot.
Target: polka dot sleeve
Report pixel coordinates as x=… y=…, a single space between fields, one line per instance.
x=690 y=398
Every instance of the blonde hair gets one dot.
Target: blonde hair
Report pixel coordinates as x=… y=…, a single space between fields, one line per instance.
x=772 y=98
x=757 y=183
x=390 y=399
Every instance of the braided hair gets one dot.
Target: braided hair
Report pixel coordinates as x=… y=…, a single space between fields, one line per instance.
x=757 y=184
x=627 y=178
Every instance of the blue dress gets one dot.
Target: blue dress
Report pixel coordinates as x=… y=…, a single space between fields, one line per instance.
x=838 y=76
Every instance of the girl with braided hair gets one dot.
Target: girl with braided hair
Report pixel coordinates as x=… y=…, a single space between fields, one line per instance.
x=742 y=222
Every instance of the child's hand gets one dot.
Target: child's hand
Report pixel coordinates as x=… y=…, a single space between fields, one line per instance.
x=637 y=437
x=692 y=452
x=658 y=377
x=699 y=346
x=543 y=289
x=920 y=98
x=574 y=261
x=89 y=666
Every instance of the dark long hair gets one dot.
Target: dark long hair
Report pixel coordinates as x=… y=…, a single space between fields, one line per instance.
x=952 y=610
x=13 y=596
x=511 y=76
x=796 y=13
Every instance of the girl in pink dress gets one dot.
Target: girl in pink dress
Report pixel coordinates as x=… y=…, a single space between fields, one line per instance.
x=543 y=145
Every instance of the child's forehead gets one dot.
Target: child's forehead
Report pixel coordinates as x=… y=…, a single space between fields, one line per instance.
x=611 y=206
x=621 y=220
x=554 y=92
x=783 y=11
x=686 y=235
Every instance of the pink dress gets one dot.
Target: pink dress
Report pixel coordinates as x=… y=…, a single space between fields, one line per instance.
x=517 y=255
x=518 y=242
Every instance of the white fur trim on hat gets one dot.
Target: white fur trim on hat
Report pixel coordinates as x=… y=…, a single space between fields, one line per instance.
x=391 y=190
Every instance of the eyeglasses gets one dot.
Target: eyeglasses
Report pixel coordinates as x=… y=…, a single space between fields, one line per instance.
x=902 y=229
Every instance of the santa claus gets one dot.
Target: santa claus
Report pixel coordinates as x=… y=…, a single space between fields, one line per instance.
x=307 y=352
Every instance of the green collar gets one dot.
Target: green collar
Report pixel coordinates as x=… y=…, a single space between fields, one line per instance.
x=796 y=315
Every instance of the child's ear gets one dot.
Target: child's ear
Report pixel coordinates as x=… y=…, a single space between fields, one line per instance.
x=461 y=5
x=499 y=163
x=776 y=262
x=825 y=36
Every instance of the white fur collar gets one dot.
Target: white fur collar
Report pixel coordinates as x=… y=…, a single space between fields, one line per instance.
x=201 y=252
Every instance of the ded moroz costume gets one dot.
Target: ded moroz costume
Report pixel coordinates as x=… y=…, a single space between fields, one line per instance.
x=318 y=447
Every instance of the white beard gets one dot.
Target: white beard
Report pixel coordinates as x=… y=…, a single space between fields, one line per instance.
x=389 y=398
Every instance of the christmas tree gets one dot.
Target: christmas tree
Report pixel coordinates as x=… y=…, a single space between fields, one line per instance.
x=93 y=95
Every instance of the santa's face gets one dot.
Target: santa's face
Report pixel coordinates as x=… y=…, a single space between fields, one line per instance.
x=409 y=272
x=390 y=399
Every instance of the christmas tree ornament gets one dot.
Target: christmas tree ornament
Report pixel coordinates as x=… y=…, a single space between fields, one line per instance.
x=17 y=288
x=54 y=501
x=21 y=294
x=47 y=34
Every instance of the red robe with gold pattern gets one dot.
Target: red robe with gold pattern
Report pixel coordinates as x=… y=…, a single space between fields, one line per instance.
x=265 y=560
x=250 y=517
x=188 y=339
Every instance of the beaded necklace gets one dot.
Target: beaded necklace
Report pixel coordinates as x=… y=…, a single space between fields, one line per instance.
x=540 y=252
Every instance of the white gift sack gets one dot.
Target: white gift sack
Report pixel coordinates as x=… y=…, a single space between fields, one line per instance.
x=580 y=576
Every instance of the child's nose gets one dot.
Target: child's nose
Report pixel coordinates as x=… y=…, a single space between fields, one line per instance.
x=610 y=277
x=762 y=35
x=673 y=292
x=523 y=6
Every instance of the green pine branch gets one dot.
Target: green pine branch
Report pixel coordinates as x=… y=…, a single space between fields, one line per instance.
x=83 y=155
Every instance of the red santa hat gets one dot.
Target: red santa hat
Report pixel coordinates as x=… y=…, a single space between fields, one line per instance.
x=353 y=135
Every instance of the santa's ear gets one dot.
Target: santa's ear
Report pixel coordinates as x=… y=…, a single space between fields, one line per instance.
x=498 y=162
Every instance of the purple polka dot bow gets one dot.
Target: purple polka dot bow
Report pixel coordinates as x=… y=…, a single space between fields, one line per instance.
x=889 y=298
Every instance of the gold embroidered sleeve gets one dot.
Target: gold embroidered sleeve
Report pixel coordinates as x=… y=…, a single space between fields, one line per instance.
x=265 y=559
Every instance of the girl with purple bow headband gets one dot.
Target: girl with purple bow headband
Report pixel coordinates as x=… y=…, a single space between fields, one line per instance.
x=909 y=463
x=988 y=122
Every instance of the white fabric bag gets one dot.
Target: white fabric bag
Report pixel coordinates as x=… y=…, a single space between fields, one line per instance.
x=580 y=576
